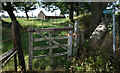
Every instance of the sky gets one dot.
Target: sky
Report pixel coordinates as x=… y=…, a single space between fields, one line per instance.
x=33 y=12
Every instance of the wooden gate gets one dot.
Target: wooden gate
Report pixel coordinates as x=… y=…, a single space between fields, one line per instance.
x=52 y=42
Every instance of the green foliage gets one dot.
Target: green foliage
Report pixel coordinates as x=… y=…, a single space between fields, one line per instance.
x=86 y=45
x=40 y=64
x=89 y=60
x=25 y=5
x=56 y=5
x=93 y=61
x=82 y=7
x=22 y=6
x=64 y=6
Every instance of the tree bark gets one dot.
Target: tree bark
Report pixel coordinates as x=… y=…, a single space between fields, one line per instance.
x=99 y=33
x=97 y=12
x=96 y=17
x=26 y=13
x=9 y=9
x=71 y=12
x=77 y=12
x=18 y=44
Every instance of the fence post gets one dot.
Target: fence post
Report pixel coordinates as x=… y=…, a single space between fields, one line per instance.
x=70 y=41
x=76 y=43
x=50 y=50
x=18 y=43
x=30 y=47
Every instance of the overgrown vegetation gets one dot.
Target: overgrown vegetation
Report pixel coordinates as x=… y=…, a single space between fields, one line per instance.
x=38 y=64
x=100 y=60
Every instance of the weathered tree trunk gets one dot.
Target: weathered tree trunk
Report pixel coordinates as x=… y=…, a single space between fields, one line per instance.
x=77 y=12
x=96 y=12
x=26 y=13
x=18 y=44
x=9 y=9
x=99 y=33
x=71 y=12
x=96 y=17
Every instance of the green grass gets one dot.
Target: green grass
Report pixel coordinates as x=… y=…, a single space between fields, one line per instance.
x=38 y=22
x=89 y=60
x=39 y=64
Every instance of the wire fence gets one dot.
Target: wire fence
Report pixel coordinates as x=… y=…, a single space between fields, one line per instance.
x=7 y=56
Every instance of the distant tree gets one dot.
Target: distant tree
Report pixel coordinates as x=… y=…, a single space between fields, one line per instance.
x=26 y=6
x=10 y=7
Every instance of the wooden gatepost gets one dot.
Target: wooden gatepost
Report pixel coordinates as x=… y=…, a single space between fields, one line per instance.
x=76 y=43
x=52 y=40
x=79 y=36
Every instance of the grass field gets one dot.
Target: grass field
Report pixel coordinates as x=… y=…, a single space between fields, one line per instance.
x=41 y=64
x=38 y=22
x=90 y=60
x=38 y=64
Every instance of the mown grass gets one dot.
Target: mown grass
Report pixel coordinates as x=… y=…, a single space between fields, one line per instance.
x=38 y=22
x=38 y=64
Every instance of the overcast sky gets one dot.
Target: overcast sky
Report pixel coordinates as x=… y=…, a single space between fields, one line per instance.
x=33 y=12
